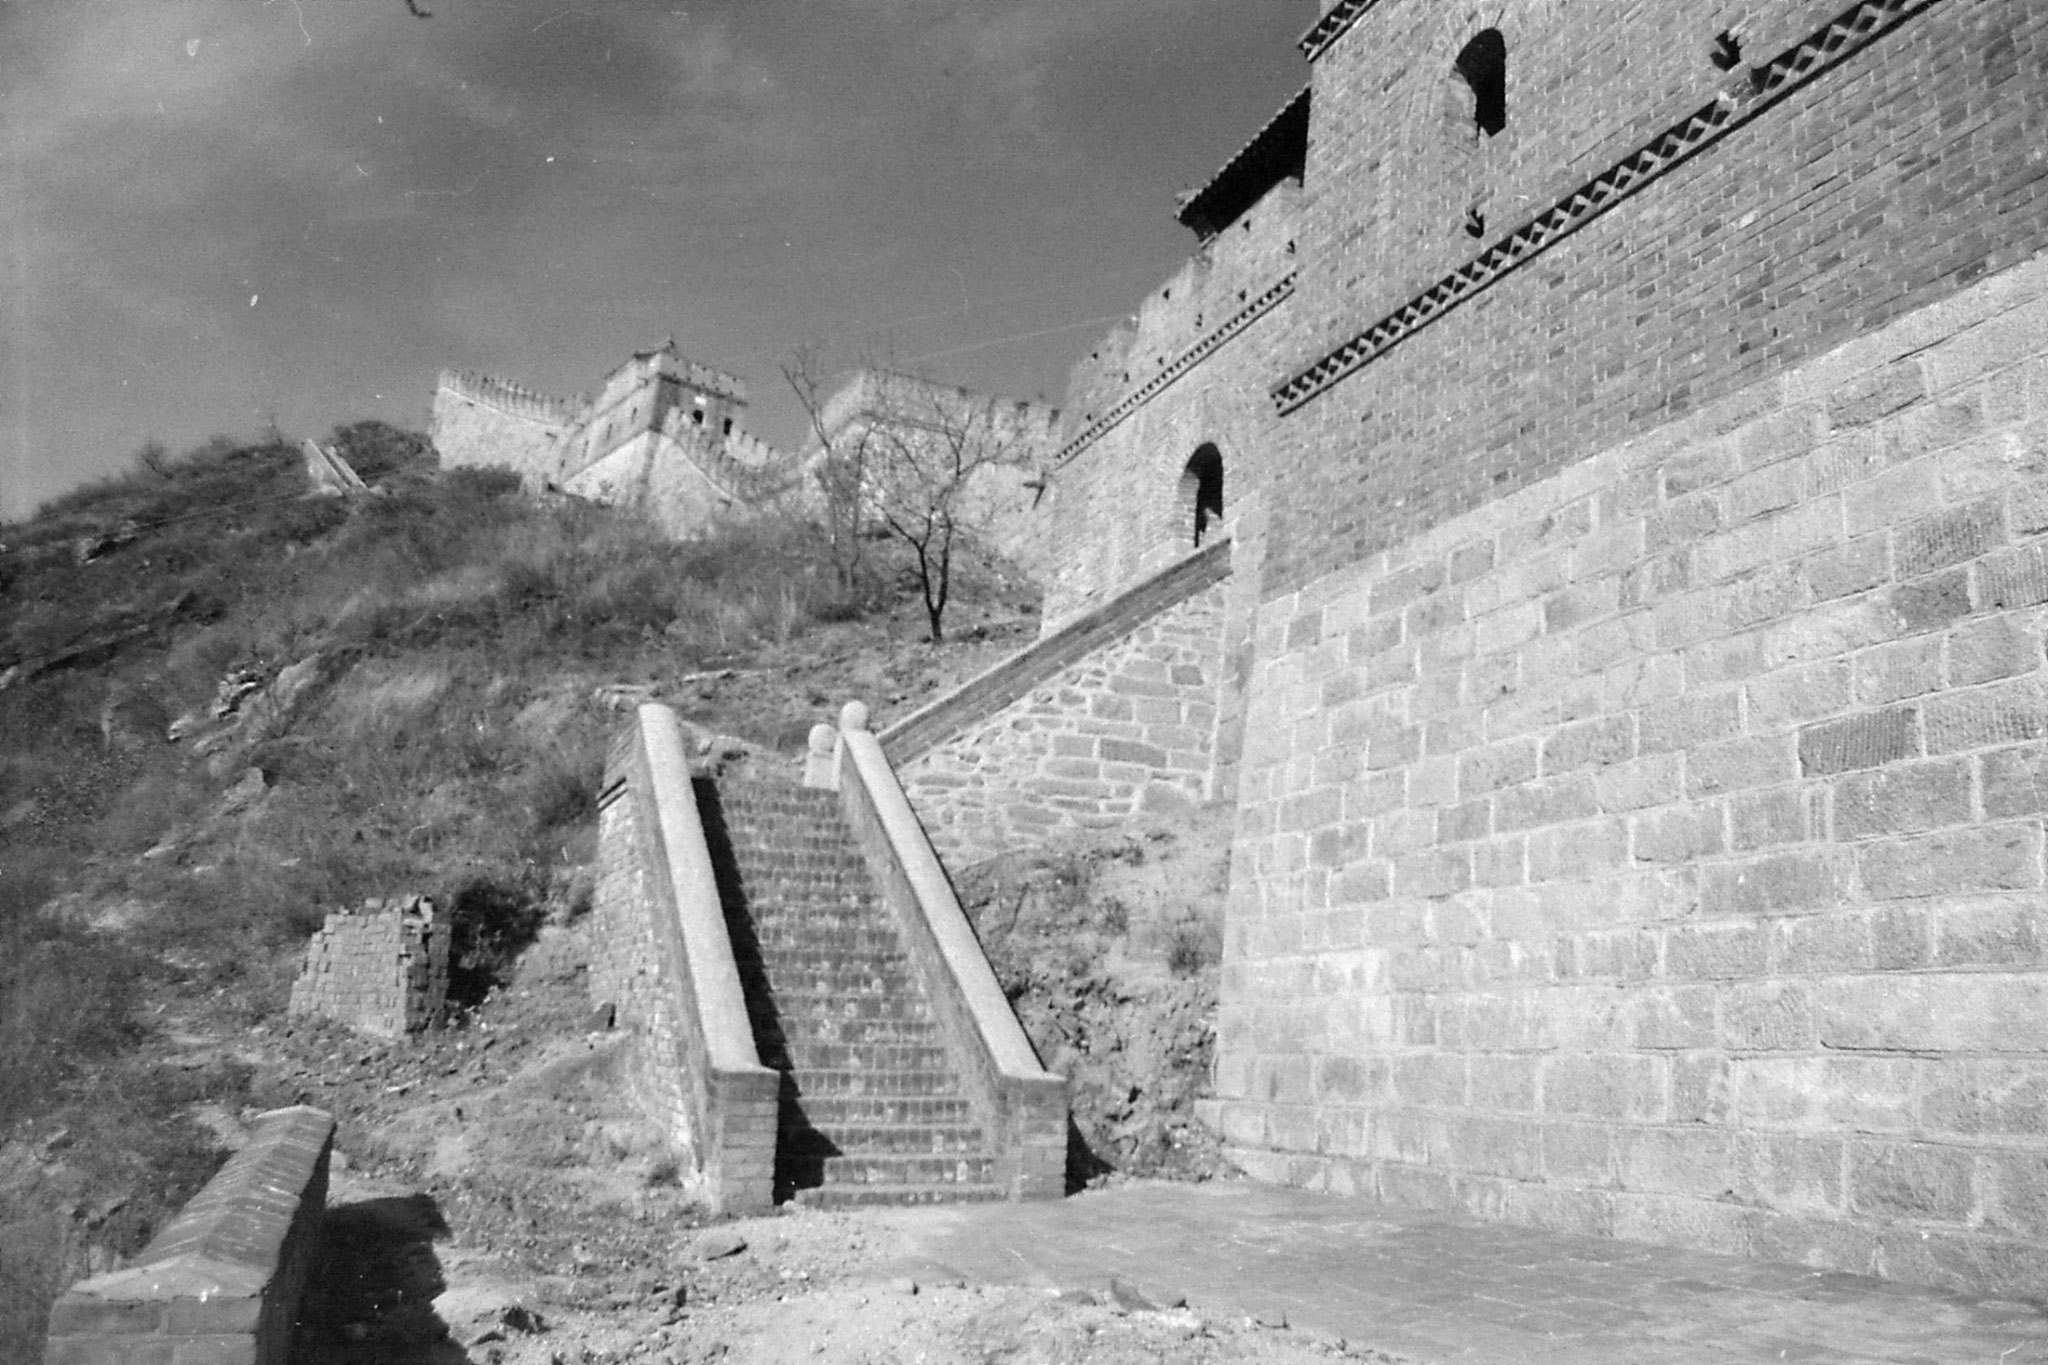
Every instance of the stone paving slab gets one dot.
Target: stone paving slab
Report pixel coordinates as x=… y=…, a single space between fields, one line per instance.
x=1447 y=1289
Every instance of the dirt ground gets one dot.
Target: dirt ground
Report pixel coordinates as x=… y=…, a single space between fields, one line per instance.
x=496 y=1200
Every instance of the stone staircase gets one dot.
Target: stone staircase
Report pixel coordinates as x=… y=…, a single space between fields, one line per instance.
x=872 y=1109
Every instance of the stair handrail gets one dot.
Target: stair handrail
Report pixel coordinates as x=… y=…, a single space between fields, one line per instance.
x=734 y=1123
x=1013 y=677
x=1023 y=1105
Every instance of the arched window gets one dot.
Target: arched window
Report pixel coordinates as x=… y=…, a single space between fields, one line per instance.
x=1483 y=65
x=1201 y=491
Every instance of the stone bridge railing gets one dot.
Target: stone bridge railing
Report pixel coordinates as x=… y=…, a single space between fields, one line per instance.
x=1021 y=1105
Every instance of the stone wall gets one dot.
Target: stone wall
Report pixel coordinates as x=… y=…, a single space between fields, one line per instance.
x=221 y=1284
x=1657 y=851
x=481 y=421
x=382 y=968
x=1842 y=175
x=1129 y=726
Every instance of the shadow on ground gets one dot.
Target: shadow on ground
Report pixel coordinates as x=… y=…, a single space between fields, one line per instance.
x=370 y=1297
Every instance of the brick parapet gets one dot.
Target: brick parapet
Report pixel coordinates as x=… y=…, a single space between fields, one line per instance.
x=1130 y=724
x=220 y=1285
x=1657 y=850
x=381 y=968
x=691 y=1066
x=1022 y=1107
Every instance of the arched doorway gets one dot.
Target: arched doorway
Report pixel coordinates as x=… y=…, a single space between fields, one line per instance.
x=1201 y=492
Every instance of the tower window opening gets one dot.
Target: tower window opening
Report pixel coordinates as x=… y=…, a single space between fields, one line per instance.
x=1483 y=66
x=725 y=427
x=1201 y=492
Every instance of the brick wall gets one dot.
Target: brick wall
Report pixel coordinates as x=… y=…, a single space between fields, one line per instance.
x=1658 y=850
x=477 y=421
x=1116 y=510
x=382 y=968
x=720 y=1123
x=1907 y=169
x=220 y=1285
x=1130 y=726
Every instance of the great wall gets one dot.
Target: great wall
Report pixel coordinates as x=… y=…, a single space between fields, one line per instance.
x=1582 y=505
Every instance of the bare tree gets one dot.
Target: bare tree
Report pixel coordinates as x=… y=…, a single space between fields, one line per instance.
x=930 y=443
x=840 y=465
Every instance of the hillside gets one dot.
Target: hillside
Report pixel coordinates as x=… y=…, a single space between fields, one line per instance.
x=228 y=707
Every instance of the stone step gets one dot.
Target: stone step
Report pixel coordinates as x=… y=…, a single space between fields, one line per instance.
x=832 y=1112
x=812 y=1055
x=836 y=981
x=805 y=963
x=865 y=943
x=807 y=1171
x=874 y=1083
x=884 y=1139
x=829 y=1008
x=850 y=1032
x=856 y=1196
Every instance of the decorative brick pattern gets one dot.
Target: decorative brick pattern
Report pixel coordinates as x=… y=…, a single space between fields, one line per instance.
x=382 y=968
x=1660 y=877
x=220 y=1285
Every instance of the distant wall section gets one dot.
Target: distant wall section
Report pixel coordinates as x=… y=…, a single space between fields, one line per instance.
x=479 y=421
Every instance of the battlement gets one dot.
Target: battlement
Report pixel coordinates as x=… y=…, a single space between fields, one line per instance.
x=513 y=399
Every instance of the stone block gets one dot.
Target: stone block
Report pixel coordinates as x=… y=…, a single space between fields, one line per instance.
x=1676 y=834
x=2009 y=932
x=1826 y=1094
x=1892 y=672
x=1693 y=1160
x=1545 y=802
x=1866 y=740
x=1997 y=713
x=1977 y=1012
x=1931 y=603
x=1953 y=536
x=1647 y=781
x=1615 y=1086
x=1916 y=1181
x=1735 y=764
x=1716 y=952
x=1789 y=696
x=1987 y=1097
x=1790 y=1173
x=1672 y=1017
x=1903 y=798
x=2012 y=578
x=1702 y=1088
x=1775 y=815
x=1578 y=1153
x=1767 y=1016
x=1793 y=881
x=1991 y=858
x=2014 y=1186
x=1860 y=565
x=1870 y=397
x=1690 y=721
x=1985 y=651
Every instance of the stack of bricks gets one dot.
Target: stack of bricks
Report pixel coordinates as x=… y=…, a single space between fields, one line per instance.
x=382 y=968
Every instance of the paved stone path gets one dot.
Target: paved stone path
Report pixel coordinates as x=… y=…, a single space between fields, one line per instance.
x=1448 y=1289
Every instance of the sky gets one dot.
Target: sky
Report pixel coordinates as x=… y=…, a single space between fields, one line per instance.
x=224 y=216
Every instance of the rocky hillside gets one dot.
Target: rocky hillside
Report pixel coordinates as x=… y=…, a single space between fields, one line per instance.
x=229 y=706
